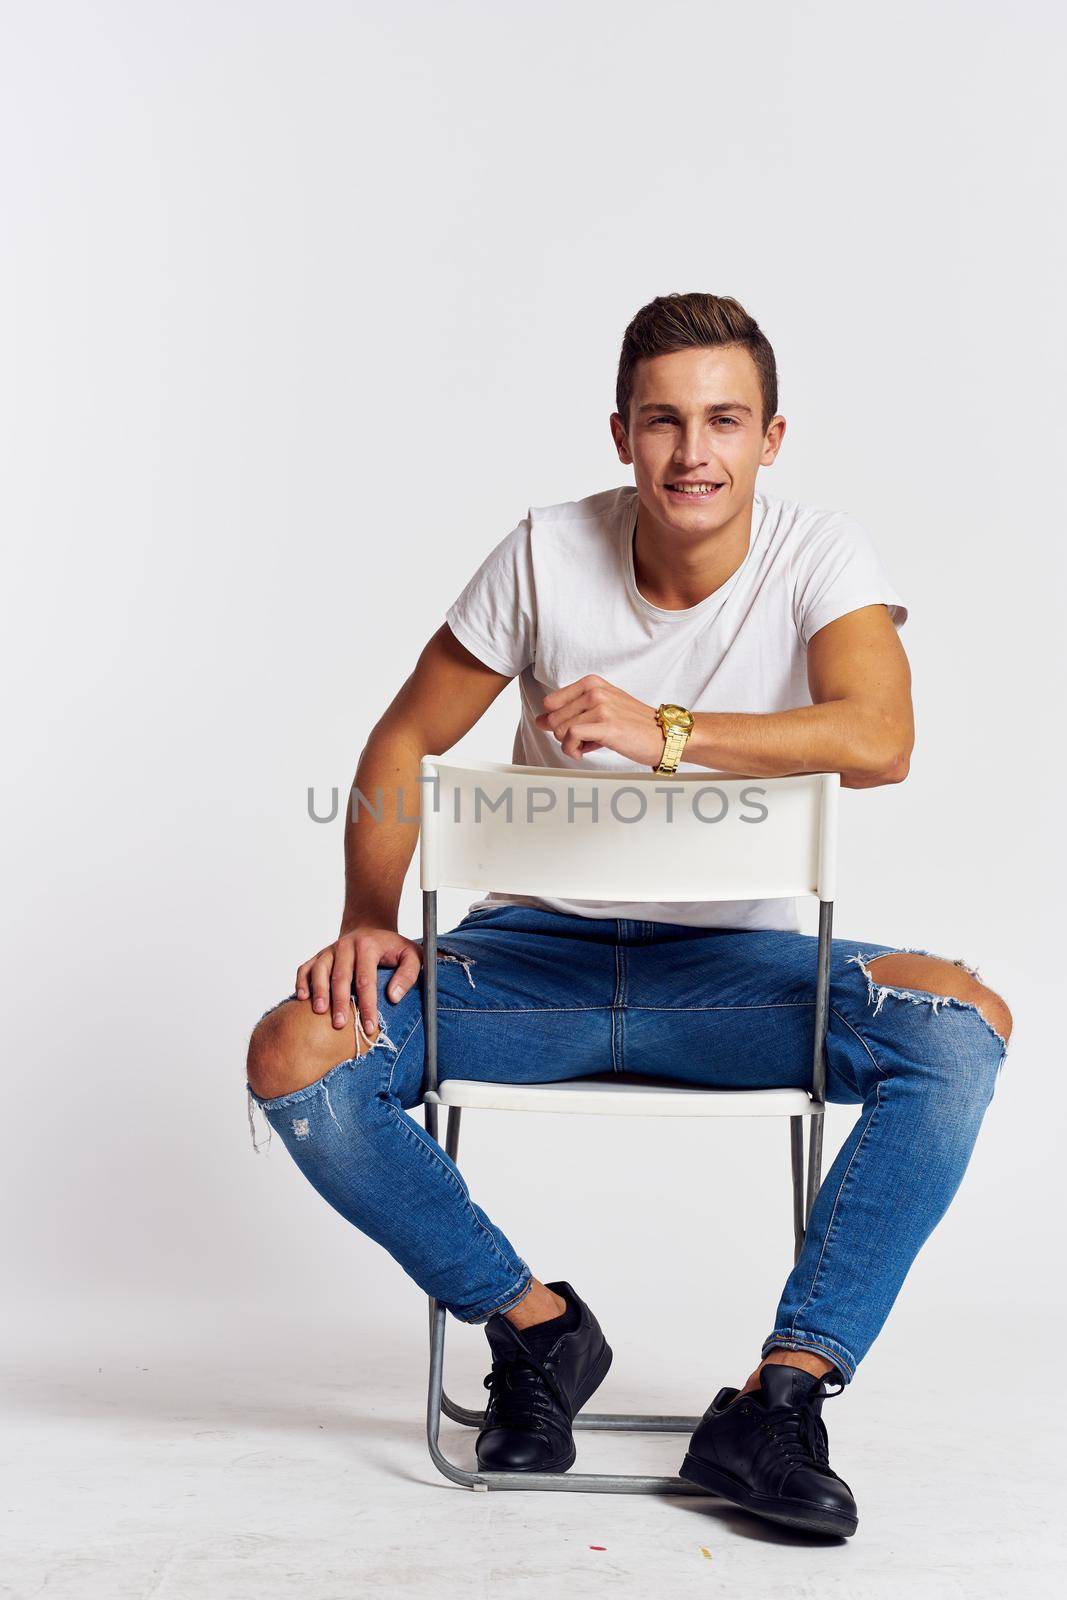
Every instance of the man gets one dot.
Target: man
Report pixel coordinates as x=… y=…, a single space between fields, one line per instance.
x=688 y=615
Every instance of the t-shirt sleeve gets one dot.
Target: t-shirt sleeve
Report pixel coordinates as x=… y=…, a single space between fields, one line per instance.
x=495 y=613
x=839 y=570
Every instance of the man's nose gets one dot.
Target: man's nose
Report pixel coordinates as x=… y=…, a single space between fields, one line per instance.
x=692 y=450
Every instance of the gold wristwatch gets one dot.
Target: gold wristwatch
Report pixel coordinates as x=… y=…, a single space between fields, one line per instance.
x=677 y=724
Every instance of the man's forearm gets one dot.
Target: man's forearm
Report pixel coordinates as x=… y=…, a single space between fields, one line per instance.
x=379 y=843
x=863 y=743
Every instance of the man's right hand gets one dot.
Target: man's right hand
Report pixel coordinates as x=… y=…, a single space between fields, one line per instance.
x=357 y=953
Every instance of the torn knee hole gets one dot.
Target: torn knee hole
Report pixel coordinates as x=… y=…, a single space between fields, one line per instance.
x=924 y=979
x=296 y=1047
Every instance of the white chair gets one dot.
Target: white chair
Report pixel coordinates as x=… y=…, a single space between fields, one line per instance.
x=565 y=833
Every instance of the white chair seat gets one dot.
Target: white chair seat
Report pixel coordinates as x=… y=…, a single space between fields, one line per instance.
x=606 y=1098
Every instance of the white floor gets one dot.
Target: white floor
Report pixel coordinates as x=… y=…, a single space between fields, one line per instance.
x=243 y=1459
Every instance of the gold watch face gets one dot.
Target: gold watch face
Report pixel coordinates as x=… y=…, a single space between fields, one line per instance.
x=676 y=715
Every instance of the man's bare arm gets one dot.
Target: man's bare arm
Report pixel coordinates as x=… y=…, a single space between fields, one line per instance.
x=861 y=724
x=446 y=694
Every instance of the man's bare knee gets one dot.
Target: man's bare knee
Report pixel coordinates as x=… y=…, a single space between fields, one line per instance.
x=932 y=975
x=293 y=1046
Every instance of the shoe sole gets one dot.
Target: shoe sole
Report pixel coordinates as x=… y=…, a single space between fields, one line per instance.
x=595 y=1377
x=794 y=1513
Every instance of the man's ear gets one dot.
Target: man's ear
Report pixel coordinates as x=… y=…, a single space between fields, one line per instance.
x=622 y=444
x=772 y=440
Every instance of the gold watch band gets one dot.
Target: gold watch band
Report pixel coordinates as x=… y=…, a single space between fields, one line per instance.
x=673 y=745
x=676 y=725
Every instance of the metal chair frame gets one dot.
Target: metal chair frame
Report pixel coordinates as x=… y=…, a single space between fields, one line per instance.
x=804 y=1191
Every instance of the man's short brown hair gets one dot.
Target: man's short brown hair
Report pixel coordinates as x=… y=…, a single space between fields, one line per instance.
x=686 y=321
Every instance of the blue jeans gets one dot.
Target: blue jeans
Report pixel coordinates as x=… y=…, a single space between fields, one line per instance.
x=532 y=996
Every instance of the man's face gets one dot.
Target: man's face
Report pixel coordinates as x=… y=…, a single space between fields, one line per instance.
x=696 y=438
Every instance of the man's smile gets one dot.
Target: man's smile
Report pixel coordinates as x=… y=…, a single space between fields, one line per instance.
x=702 y=489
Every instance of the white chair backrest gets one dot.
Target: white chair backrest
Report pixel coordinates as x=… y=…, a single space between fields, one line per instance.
x=625 y=835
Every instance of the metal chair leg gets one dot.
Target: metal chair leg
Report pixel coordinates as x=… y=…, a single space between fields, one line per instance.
x=572 y=1482
x=814 y=1161
x=818 y=1081
x=472 y=1419
x=804 y=1193
x=796 y=1155
x=438 y=1403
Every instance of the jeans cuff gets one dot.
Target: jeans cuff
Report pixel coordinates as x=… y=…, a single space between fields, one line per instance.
x=818 y=1344
x=518 y=1292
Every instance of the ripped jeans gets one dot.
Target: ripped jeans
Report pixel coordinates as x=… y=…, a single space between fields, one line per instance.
x=533 y=996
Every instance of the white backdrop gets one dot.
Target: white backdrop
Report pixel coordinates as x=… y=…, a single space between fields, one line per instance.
x=301 y=307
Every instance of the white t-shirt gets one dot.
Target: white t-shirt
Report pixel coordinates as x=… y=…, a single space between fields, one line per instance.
x=557 y=598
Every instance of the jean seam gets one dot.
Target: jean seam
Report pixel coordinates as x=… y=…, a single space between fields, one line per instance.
x=837 y=1200
x=883 y=1074
x=435 y=1157
x=473 y=1011
x=416 y=1023
x=618 y=1002
x=762 y=1005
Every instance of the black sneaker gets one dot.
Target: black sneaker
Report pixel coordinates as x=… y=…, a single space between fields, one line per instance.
x=768 y=1452
x=537 y=1386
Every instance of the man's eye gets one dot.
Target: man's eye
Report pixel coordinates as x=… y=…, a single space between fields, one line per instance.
x=733 y=422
